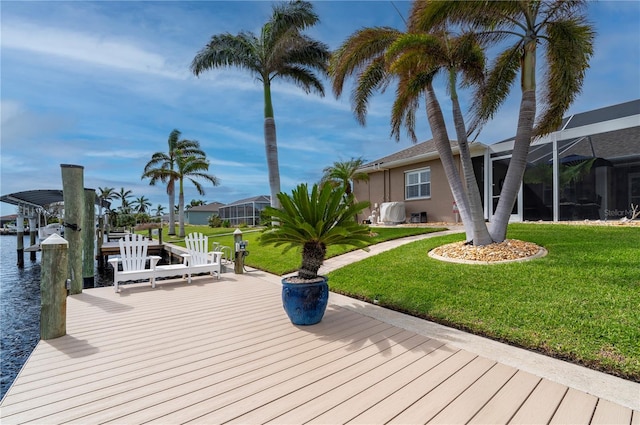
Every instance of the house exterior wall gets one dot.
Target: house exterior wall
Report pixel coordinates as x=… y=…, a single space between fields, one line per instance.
x=589 y=169
x=198 y=217
x=389 y=186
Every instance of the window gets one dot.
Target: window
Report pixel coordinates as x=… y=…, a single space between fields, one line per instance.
x=417 y=183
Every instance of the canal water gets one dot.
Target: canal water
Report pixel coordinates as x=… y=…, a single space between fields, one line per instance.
x=20 y=308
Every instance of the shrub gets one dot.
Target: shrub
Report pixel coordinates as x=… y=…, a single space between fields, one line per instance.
x=215 y=221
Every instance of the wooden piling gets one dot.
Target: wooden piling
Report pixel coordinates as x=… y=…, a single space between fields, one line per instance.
x=20 y=239
x=73 y=195
x=53 y=290
x=100 y=241
x=88 y=239
x=33 y=232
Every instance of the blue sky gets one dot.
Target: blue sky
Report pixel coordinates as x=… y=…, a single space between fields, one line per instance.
x=102 y=84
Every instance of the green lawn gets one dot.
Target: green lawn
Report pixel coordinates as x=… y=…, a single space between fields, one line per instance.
x=581 y=302
x=273 y=260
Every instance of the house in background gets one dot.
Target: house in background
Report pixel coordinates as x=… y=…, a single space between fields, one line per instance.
x=588 y=169
x=245 y=211
x=411 y=185
x=201 y=213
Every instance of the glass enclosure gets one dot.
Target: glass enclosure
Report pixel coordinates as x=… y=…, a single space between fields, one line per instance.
x=245 y=212
x=597 y=177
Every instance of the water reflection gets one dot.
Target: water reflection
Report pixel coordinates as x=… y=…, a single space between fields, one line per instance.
x=20 y=308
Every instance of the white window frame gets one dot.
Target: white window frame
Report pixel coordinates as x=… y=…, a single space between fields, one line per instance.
x=417 y=172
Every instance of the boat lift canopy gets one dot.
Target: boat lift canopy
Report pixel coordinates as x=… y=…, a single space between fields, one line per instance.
x=41 y=198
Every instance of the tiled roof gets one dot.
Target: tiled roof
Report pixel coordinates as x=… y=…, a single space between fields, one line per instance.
x=419 y=149
x=611 y=145
x=603 y=114
x=212 y=207
x=619 y=143
x=261 y=198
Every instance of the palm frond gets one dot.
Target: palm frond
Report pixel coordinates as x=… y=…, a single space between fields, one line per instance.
x=500 y=80
x=358 y=52
x=319 y=216
x=568 y=50
x=374 y=78
x=228 y=50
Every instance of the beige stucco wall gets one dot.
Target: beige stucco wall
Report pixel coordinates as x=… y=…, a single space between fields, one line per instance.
x=388 y=186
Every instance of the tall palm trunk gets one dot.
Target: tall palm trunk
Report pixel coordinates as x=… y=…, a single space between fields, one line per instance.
x=481 y=234
x=518 y=162
x=517 y=166
x=271 y=146
x=181 y=210
x=443 y=146
x=172 y=208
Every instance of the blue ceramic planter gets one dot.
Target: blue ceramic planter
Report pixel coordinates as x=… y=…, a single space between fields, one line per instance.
x=305 y=303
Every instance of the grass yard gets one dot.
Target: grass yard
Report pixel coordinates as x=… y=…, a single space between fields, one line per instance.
x=580 y=303
x=273 y=260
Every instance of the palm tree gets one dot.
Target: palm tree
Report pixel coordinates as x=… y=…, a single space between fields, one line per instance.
x=106 y=194
x=162 y=167
x=158 y=210
x=194 y=203
x=561 y=29
x=124 y=196
x=440 y=53
x=343 y=173
x=142 y=204
x=281 y=50
x=375 y=56
x=191 y=168
x=314 y=221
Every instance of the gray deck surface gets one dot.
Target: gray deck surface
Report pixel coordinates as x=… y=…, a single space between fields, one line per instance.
x=223 y=351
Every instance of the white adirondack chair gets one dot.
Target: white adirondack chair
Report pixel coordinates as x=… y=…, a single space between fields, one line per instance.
x=133 y=256
x=198 y=258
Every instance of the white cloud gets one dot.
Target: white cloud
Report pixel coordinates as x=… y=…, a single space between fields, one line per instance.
x=85 y=47
x=120 y=153
x=222 y=163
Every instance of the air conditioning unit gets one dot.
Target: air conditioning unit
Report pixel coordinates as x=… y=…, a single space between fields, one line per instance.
x=392 y=213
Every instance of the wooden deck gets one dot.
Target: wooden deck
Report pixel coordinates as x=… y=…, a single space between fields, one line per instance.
x=224 y=352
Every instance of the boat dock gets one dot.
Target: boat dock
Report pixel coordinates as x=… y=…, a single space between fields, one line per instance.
x=223 y=351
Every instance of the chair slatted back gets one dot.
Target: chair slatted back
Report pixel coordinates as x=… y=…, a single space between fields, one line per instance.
x=133 y=251
x=198 y=246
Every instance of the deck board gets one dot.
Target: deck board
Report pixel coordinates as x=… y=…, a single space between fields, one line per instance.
x=506 y=402
x=223 y=351
x=576 y=408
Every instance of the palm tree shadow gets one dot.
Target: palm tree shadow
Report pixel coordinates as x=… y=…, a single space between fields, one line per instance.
x=102 y=303
x=356 y=329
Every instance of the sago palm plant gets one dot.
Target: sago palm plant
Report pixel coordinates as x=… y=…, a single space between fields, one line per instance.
x=314 y=221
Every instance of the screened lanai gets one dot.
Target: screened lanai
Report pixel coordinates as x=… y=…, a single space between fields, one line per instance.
x=587 y=170
x=245 y=211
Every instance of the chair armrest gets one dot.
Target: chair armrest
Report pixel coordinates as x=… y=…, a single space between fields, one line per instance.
x=186 y=258
x=153 y=261
x=215 y=256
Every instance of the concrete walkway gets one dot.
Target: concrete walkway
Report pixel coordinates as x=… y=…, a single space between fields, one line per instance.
x=621 y=391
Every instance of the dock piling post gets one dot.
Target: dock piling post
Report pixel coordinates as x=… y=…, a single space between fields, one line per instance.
x=53 y=287
x=33 y=232
x=100 y=241
x=73 y=195
x=88 y=239
x=20 y=240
